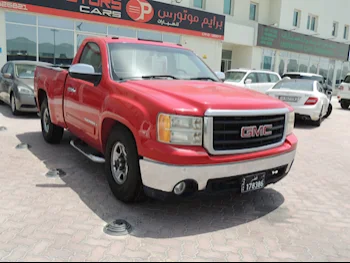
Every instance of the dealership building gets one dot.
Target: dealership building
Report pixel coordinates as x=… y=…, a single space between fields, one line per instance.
x=278 y=35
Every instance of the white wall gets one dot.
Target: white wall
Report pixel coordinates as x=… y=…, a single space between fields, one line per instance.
x=2 y=38
x=212 y=49
x=242 y=56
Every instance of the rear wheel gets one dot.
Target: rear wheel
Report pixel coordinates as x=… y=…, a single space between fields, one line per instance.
x=330 y=109
x=345 y=105
x=123 y=167
x=319 y=121
x=14 y=110
x=52 y=133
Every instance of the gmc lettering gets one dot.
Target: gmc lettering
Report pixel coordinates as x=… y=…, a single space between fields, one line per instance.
x=254 y=131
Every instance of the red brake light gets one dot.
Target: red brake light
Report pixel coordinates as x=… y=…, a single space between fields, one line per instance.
x=311 y=101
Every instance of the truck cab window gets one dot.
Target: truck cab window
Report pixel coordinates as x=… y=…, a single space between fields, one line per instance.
x=92 y=56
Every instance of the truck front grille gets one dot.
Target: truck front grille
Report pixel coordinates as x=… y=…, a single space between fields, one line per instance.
x=241 y=134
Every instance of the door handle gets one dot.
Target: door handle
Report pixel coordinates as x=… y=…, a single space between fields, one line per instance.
x=72 y=90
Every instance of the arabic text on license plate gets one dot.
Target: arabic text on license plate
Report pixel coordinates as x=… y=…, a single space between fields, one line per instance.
x=253 y=183
x=289 y=99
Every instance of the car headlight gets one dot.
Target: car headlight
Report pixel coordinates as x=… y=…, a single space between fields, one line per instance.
x=24 y=90
x=290 y=122
x=182 y=130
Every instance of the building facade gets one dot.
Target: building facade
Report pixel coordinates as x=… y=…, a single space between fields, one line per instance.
x=278 y=35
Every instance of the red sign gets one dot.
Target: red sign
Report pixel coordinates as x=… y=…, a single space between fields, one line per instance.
x=140 y=10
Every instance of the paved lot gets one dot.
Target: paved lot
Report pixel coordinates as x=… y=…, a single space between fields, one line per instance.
x=306 y=217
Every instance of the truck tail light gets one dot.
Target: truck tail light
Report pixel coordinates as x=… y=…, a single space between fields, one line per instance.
x=311 y=101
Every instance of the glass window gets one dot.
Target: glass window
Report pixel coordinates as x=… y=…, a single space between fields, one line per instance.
x=198 y=3
x=4 y=68
x=320 y=88
x=253 y=11
x=263 y=78
x=10 y=69
x=293 y=65
x=235 y=76
x=335 y=29
x=227 y=54
x=56 y=46
x=21 y=42
x=55 y=22
x=92 y=56
x=296 y=18
x=90 y=27
x=347 y=80
x=172 y=38
x=312 y=23
x=20 y=18
x=150 y=35
x=304 y=85
x=253 y=77
x=273 y=78
x=267 y=63
x=81 y=38
x=121 y=32
x=25 y=71
x=137 y=60
x=228 y=7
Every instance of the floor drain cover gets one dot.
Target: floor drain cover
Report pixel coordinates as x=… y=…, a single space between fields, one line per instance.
x=2 y=128
x=118 y=228
x=55 y=173
x=23 y=146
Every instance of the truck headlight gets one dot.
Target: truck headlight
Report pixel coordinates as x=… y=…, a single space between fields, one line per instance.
x=182 y=130
x=24 y=90
x=290 y=122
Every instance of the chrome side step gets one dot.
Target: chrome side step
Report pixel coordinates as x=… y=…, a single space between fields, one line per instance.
x=94 y=158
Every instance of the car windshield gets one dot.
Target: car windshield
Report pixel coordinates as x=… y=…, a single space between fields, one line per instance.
x=295 y=85
x=25 y=71
x=142 y=61
x=294 y=76
x=235 y=76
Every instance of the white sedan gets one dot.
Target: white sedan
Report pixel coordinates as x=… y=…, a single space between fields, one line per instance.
x=308 y=98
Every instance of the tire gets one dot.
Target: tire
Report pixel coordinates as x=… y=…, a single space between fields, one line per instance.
x=329 y=112
x=52 y=133
x=344 y=105
x=127 y=184
x=319 y=121
x=14 y=110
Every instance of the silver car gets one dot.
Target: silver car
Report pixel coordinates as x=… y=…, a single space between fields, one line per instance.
x=17 y=85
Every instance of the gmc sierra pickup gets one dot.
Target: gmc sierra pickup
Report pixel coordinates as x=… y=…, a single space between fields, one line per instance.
x=163 y=123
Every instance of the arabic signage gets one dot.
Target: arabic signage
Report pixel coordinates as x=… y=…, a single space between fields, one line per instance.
x=290 y=41
x=136 y=13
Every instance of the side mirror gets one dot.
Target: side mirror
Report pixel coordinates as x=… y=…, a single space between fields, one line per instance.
x=248 y=81
x=85 y=72
x=7 y=76
x=221 y=75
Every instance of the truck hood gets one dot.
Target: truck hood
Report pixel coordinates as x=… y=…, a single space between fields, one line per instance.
x=200 y=96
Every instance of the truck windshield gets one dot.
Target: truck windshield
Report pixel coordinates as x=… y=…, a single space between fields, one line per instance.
x=142 y=61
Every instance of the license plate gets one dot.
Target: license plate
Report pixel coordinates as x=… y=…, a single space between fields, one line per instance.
x=253 y=183
x=289 y=99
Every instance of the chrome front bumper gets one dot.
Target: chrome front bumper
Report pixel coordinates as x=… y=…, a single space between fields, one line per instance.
x=164 y=177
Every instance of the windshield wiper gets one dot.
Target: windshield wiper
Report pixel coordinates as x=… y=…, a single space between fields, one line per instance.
x=204 y=78
x=159 y=77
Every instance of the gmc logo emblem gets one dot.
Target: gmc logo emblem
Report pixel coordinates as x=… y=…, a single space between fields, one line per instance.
x=254 y=131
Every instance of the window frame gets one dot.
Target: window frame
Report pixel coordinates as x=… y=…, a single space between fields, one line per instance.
x=256 y=18
x=4 y=68
x=335 y=29
x=203 y=4
x=256 y=77
x=262 y=73
x=309 y=22
x=346 y=32
x=297 y=11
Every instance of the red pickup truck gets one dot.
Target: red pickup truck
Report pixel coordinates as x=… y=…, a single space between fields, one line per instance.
x=163 y=122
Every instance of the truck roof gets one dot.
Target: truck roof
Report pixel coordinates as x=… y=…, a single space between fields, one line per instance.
x=135 y=41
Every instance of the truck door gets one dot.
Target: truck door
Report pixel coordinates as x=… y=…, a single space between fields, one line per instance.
x=83 y=100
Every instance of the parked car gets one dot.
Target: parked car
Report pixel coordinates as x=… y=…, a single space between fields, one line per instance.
x=307 y=97
x=257 y=80
x=162 y=122
x=344 y=93
x=17 y=85
x=310 y=76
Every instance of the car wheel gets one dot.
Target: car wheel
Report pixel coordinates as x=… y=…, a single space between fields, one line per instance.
x=329 y=112
x=13 y=105
x=319 y=121
x=122 y=166
x=344 y=105
x=52 y=133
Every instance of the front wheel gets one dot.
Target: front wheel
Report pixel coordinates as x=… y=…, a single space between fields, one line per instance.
x=345 y=105
x=52 y=133
x=329 y=111
x=14 y=110
x=123 y=167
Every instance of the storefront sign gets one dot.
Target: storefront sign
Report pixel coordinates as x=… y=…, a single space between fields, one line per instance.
x=137 y=13
x=290 y=41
